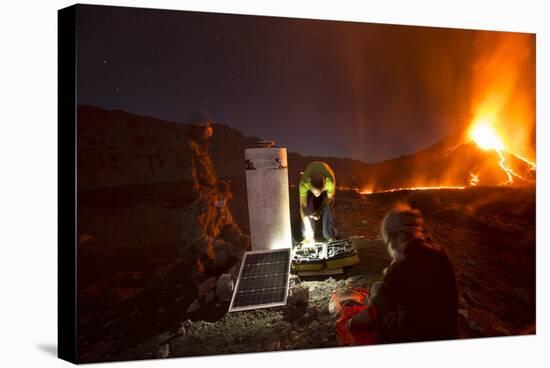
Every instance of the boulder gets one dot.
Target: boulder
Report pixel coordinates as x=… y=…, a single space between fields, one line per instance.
x=298 y=295
x=181 y=329
x=210 y=296
x=206 y=286
x=225 y=287
x=293 y=281
x=234 y=270
x=194 y=306
x=274 y=346
x=164 y=351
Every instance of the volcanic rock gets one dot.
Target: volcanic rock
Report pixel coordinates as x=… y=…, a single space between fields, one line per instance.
x=274 y=346
x=163 y=351
x=181 y=329
x=194 y=306
x=298 y=295
x=225 y=287
x=315 y=328
x=206 y=286
x=313 y=311
x=293 y=280
x=210 y=296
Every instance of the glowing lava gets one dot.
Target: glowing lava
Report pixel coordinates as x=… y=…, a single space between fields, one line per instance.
x=486 y=137
x=366 y=192
x=474 y=179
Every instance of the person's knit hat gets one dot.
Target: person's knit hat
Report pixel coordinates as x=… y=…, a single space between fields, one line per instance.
x=402 y=218
x=199 y=118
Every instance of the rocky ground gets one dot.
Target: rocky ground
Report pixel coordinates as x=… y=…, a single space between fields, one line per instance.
x=136 y=300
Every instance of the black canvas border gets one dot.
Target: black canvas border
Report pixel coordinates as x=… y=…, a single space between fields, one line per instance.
x=66 y=187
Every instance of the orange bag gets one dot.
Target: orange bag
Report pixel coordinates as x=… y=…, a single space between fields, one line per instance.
x=345 y=304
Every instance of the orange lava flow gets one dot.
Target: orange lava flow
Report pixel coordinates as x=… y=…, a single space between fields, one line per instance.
x=365 y=192
x=509 y=172
x=416 y=188
x=533 y=166
x=474 y=179
x=485 y=136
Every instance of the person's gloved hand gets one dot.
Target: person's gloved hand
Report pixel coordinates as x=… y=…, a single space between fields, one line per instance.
x=244 y=241
x=315 y=216
x=308 y=231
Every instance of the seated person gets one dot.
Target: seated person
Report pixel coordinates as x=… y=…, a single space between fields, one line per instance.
x=417 y=299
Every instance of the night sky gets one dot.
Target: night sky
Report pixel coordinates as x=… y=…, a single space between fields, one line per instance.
x=364 y=91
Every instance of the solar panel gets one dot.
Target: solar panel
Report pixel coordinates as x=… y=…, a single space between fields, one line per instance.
x=262 y=281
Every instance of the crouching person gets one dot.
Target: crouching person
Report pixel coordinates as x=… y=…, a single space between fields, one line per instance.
x=417 y=299
x=211 y=240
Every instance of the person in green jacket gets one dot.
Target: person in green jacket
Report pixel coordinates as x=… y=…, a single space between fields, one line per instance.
x=317 y=189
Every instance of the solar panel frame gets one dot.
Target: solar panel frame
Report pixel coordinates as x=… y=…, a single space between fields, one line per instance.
x=240 y=282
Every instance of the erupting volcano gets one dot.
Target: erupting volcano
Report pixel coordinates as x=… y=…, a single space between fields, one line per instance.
x=492 y=142
x=485 y=136
x=473 y=155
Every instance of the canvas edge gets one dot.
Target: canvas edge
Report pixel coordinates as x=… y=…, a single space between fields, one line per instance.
x=66 y=189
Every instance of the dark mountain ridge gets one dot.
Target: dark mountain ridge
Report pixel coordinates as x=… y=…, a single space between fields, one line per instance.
x=117 y=148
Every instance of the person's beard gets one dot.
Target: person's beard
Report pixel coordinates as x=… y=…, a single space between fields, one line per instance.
x=396 y=253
